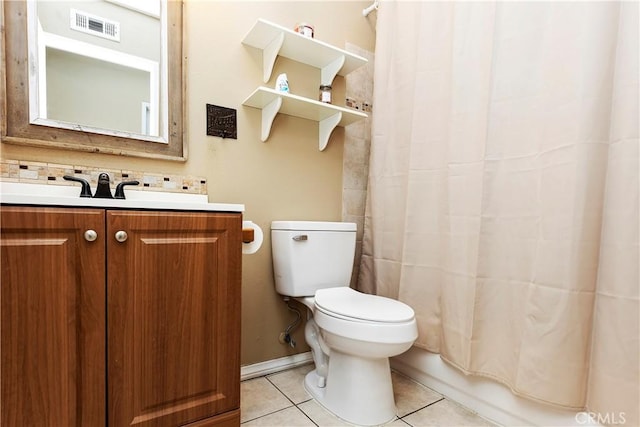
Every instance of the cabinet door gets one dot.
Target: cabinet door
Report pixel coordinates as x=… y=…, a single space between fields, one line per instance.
x=173 y=316
x=52 y=321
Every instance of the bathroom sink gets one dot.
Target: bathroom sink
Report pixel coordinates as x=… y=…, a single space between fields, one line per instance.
x=69 y=195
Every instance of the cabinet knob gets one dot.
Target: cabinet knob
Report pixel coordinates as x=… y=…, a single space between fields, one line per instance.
x=90 y=235
x=121 y=236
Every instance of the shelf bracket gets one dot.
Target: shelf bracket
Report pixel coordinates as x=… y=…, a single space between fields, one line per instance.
x=329 y=71
x=269 y=112
x=269 y=55
x=327 y=126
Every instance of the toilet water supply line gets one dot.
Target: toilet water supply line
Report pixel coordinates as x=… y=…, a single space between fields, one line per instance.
x=368 y=10
x=286 y=335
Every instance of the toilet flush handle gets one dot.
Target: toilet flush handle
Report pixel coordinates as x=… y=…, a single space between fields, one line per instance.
x=300 y=237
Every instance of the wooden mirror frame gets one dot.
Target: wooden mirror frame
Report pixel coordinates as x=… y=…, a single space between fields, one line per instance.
x=14 y=95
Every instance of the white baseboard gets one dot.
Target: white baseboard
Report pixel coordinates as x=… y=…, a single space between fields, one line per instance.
x=275 y=365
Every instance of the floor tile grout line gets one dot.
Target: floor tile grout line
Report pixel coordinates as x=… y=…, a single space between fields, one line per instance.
x=305 y=414
x=283 y=393
x=420 y=409
x=266 y=377
x=294 y=404
x=269 y=413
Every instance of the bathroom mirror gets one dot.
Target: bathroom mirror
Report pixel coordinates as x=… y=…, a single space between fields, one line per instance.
x=102 y=76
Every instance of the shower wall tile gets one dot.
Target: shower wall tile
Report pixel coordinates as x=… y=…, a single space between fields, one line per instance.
x=359 y=129
x=356 y=152
x=355 y=167
x=354 y=175
x=354 y=202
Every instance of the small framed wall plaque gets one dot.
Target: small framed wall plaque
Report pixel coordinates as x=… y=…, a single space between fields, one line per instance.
x=222 y=122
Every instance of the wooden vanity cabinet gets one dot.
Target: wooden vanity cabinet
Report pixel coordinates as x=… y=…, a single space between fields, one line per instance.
x=52 y=318
x=139 y=327
x=173 y=305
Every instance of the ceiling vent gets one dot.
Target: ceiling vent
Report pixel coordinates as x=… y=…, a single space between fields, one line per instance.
x=91 y=24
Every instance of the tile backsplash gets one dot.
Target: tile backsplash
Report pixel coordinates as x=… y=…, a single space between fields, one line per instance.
x=52 y=173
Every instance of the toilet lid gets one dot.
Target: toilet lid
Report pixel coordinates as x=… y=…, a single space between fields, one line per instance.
x=348 y=302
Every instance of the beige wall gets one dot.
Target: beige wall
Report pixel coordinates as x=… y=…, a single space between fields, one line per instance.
x=284 y=178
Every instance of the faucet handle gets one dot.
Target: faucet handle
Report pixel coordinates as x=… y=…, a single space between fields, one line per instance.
x=120 y=188
x=86 y=188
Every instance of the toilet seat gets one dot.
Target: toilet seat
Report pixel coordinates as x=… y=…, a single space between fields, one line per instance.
x=363 y=331
x=351 y=314
x=349 y=304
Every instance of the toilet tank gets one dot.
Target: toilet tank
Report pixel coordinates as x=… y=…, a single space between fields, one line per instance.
x=308 y=255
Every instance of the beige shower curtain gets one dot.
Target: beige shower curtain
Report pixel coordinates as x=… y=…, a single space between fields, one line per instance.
x=504 y=190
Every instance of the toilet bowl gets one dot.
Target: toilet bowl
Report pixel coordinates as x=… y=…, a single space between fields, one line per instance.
x=351 y=334
x=361 y=332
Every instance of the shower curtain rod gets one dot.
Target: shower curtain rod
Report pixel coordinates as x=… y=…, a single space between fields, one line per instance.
x=368 y=10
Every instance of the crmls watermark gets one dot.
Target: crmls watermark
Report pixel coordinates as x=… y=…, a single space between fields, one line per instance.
x=606 y=418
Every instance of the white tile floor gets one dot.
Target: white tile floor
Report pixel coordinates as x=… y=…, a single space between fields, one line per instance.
x=280 y=400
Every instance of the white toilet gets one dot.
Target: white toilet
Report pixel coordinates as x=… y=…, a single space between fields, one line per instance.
x=351 y=334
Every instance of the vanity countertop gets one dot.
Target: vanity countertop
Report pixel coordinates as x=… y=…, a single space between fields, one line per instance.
x=17 y=193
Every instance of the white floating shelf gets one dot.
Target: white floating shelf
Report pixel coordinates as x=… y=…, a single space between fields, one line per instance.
x=275 y=40
x=328 y=116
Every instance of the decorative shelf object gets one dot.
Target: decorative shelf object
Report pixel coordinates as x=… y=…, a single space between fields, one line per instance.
x=328 y=116
x=276 y=40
